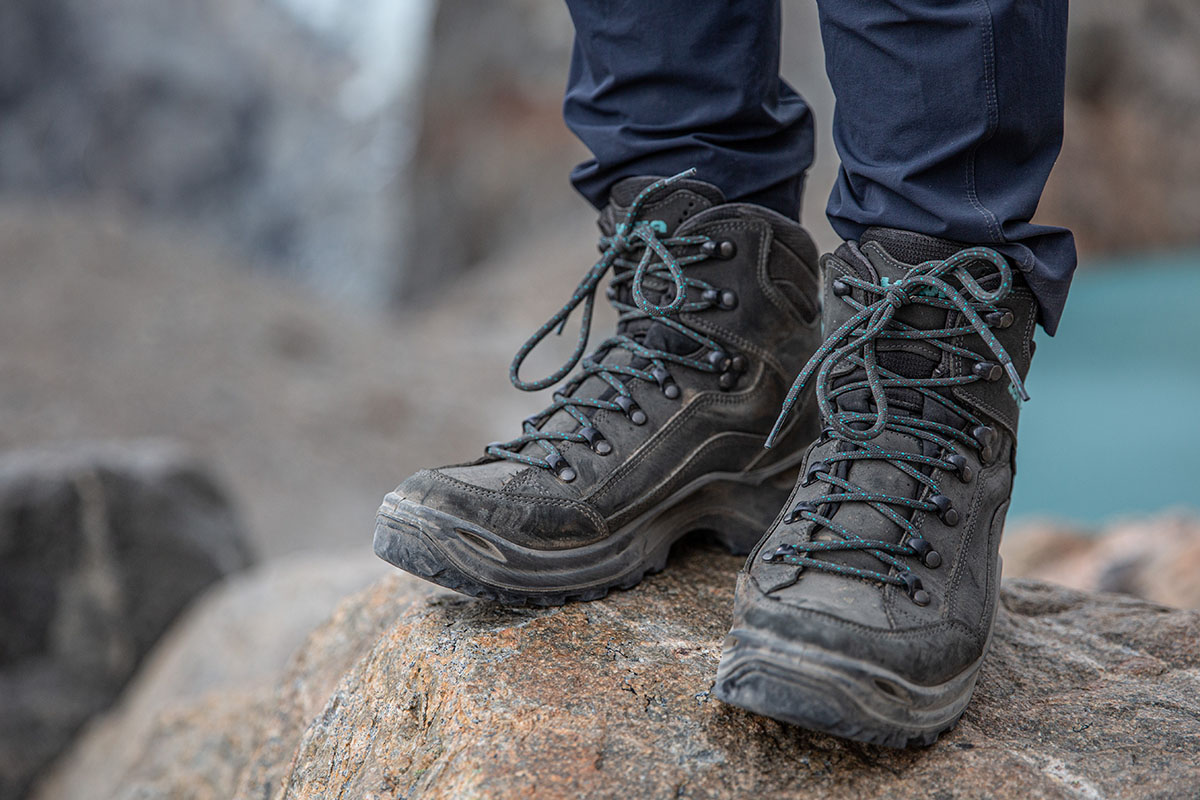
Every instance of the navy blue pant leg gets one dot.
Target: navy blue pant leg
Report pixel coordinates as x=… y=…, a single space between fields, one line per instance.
x=949 y=113
x=658 y=86
x=949 y=117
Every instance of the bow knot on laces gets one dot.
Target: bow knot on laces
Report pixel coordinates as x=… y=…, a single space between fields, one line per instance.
x=896 y=296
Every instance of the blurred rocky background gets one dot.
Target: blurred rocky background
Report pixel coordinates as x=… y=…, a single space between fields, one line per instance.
x=296 y=243
x=101 y=546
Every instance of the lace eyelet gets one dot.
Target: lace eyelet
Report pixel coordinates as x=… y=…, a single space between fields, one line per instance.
x=915 y=590
x=595 y=439
x=732 y=372
x=533 y=420
x=665 y=382
x=801 y=507
x=965 y=473
x=778 y=553
x=564 y=471
x=724 y=299
x=719 y=359
x=990 y=371
x=1000 y=319
x=929 y=557
x=811 y=472
x=946 y=511
x=840 y=288
x=988 y=441
x=635 y=414
x=724 y=249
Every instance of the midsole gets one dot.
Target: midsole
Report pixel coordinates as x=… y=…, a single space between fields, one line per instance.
x=505 y=564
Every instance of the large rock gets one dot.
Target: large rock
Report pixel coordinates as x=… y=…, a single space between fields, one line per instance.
x=101 y=546
x=446 y=697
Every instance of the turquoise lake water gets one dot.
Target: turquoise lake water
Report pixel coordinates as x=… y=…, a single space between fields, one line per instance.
x=1113 y=427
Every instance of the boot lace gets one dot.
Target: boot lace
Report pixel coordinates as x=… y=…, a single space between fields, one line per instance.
x=854 y=343
x=641 y=258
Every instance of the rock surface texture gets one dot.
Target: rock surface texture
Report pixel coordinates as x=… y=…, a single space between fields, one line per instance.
x=404 y=694
x=101 y=546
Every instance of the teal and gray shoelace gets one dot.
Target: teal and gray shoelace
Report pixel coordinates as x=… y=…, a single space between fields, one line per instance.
x=854 y=344
x=656 y=262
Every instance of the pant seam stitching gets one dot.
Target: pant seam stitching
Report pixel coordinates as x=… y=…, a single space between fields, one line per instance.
x=987 y=38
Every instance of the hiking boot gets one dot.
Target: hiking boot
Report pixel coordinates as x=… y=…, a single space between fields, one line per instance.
x=866 y=610
x=659 y=432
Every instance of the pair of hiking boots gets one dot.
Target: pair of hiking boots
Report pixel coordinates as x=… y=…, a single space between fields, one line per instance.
x=872 y=519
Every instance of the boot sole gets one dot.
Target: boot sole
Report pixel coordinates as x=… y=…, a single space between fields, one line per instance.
x=736 y=508
x=835 y=694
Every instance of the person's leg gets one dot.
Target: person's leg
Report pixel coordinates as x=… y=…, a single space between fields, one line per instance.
x=866 y=610
x=657 y=88
x=949 y=117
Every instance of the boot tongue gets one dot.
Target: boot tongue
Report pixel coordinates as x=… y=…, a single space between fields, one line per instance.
x=901 y=251
x=667 y=211
x=885 y=255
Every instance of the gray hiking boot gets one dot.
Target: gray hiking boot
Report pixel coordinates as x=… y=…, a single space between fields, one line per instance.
x=866 y=609
x=660 y=432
